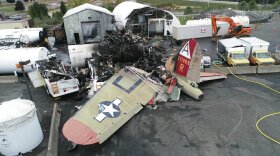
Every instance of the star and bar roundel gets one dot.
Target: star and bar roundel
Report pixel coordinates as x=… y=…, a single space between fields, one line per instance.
x=111 y=109
x=108 y=109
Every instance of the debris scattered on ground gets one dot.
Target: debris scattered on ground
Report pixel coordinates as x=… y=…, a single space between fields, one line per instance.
x=123 y=46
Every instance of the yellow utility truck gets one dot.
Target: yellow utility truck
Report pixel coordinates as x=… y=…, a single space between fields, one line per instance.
x=232 y=51
x=257 y=51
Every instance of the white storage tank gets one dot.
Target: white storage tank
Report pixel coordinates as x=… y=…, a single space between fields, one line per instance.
x=27 y=35
x=242 y=20
x=10 y=57
x=20 y=130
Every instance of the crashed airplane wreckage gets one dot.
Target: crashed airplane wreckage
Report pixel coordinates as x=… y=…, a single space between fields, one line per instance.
x=58 y=78
x=120 y=46
x=129 y=90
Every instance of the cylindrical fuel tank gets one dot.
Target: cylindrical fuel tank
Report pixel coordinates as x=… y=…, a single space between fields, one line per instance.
x=28 y=35
x=242 y=20
x=20 y=130
x=10 y=57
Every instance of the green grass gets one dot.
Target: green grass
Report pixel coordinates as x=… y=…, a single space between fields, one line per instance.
x=47 y=22
x=9 y=9
x=184 y=19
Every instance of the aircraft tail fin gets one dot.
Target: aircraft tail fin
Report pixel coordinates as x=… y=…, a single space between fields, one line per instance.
x=189 y=59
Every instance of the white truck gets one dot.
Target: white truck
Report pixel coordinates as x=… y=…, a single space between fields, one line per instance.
x=232 y=51
x=54 y=76
x=59 y=87
x=257 y=51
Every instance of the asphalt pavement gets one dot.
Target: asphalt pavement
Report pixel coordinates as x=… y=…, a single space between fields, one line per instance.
x=222 y=124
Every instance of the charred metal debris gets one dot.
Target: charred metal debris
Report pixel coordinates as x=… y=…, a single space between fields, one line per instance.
x=118 y=50
x=123 y=48
x=54 y=70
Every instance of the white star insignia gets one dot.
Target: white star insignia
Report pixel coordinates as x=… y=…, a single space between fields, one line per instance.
x=110 y=109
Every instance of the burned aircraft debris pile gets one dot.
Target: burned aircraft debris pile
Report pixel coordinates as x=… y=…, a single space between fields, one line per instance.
x=58 y=78
x=120 y=49
x=101 y=66
x=150 y=61
x=54 y=69
x=123 y=46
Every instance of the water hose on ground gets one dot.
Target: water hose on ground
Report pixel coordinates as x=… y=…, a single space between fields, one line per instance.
x=264 y=117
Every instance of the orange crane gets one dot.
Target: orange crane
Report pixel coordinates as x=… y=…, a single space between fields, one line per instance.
x=234 y=29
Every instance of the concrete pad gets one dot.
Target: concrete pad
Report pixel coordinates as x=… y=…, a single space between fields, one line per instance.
x=222 y=70
x=8 y=79
x=235 y=70
x=269 y=69
x=244 y=70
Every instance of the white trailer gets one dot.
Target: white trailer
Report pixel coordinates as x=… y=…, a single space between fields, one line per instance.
x=203 y=28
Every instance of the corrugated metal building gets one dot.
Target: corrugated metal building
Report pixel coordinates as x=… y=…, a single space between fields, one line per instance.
x=144 y=19
x=87 y=24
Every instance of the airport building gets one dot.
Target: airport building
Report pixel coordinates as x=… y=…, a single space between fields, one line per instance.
x=87 y=24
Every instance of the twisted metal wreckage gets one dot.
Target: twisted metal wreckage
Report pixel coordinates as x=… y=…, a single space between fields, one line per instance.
x=132 y=88
x=118 y=49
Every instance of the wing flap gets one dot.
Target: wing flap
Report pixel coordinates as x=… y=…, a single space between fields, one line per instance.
x=205 y=76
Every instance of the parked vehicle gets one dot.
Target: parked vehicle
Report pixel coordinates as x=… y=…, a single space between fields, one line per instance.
x=257 y=51
x=234 y=30
x=205 y=62
x=232 y=51
x=55 y=76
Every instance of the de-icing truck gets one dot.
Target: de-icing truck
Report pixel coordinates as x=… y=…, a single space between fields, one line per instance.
x=232 y=51
x=257 y=51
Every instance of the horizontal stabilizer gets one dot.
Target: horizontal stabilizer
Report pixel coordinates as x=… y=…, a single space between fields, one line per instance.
x=204 y=76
